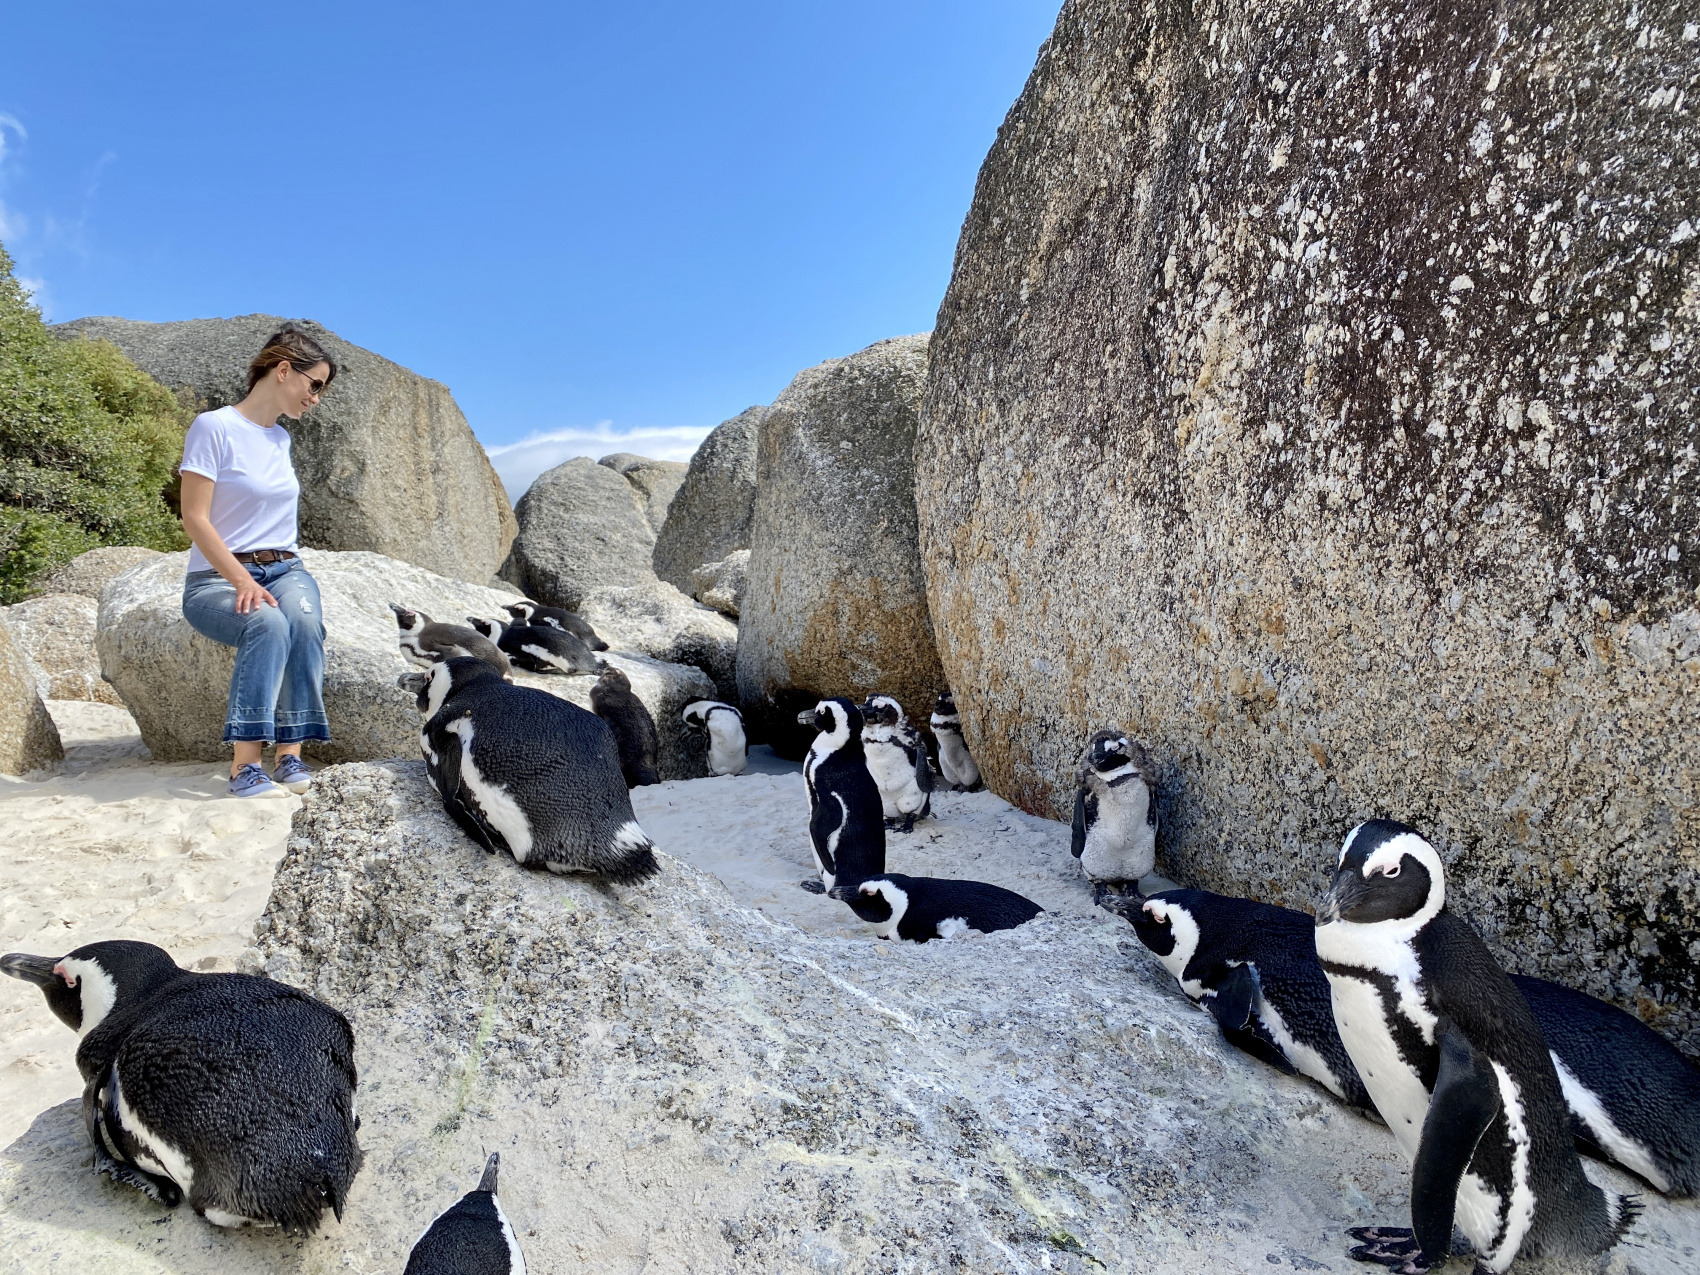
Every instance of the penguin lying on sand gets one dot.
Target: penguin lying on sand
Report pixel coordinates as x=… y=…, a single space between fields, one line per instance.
x=232 y=1091
x=1457 y=1067
x=471 y=1237
x=846 y=826
x=427 y=642
x=728 y=746
x=898 y=763
x=525 y=772
x=1633 y=1097
x=539 y=648
x=956 y=763
x=922 y=908
x=1115 y=814
x=635 y=737
x=555 y=618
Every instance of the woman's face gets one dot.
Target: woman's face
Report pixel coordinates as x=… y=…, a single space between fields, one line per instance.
x=297 y=386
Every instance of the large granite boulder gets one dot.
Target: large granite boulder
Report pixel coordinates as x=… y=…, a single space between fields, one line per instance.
x=89 y=573
x=387 y=462
x=710 y=516
x=654 y=482
x=1307 y=402
x=721 y=584
x=55 y=633
x=582 y=527
x=835 y=602
x=175 y=682
x=28 y=738
x=658 y=621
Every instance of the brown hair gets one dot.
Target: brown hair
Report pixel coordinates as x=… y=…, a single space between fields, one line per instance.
x=289 y=344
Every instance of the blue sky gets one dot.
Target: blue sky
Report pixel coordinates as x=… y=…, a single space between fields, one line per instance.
x=605 y=227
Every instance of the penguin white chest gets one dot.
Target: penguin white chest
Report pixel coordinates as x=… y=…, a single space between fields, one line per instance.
x=500 y=809
x=1392 y=1081
x=726 y=754
x=1121 y=845
x=955 y=761
x=894 y=774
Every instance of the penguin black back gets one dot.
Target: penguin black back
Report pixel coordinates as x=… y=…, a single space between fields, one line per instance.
x=923 y=908
x=635 y=736
x=556 y=618
x=846 y=815
x=471 y=1237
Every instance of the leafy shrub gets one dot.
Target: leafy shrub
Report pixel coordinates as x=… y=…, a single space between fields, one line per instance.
x=89 y=445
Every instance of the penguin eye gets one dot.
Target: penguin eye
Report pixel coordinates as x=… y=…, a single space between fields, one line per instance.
x=1392 y=870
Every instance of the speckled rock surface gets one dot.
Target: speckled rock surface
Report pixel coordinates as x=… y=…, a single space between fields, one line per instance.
x=28 y=739
x=655 y=482
x=1315 y=397
x=836 y=602
x=55 y=632
x=88 y=573
x=658 y=621
x=710 y=515
x=176 y=682
x=721 y=585
x=387 y=461
x=582 y=527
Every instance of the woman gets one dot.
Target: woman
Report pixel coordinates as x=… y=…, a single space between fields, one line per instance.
x=247 y=586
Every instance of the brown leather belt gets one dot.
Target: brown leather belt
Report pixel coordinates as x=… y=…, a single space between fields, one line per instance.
x=264 y=557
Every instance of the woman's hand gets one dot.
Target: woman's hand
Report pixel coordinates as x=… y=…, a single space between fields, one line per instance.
x=250 y=593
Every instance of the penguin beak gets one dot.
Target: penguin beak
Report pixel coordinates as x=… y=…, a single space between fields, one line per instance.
x=32 y=969
x=809 y=718
x=1343 y=892
x=413 y=683
x=843 y=893
x=488 y=1181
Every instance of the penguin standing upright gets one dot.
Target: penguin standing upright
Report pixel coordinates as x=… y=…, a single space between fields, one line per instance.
x=522 y=771
x=956 y=763
x=728 y=746
x=846 y=824
x=539 y=648
x=639 y=743
x=231 y=1091
x=471 y=1236
x=529 y=612
x=425 y=641
x=1456 y=1065
x=924 y=908
x=898 y=763
x=1115 y=813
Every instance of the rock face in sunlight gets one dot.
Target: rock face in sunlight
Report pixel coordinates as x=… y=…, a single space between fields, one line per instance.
x=721 y=584
x=1315 y=397
x=28 y=739
x=835 y=602
x=658 y=621
x=55 y=632
x=387 y=462
x=710 y=515
x=654 y=482
x=91 y=572
x=582 y=527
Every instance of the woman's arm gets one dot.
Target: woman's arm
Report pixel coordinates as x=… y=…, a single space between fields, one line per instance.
x=195 y=501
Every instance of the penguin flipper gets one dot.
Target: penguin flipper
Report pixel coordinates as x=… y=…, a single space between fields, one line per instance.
x=1231 y=1005
x=1465 y=1102
x=448 y=770
x=923 y=770
x=1078 y=846
x=108 y=1136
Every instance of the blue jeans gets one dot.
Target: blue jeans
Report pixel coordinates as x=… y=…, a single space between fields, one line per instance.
x=276 y=692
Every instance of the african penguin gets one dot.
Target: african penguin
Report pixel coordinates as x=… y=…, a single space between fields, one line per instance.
x=522 y=771
x=898 y=763
x=529 y=612
x=1115 y=813
x=728 y=746
x=471 y=1237
x=231 y=1091
x=956 y=763
x=846 y=826
x=1456 y=1065
x=426 y=642
x=639 y=744
x=538 y=648
x=1254 y=967
x=923 y=908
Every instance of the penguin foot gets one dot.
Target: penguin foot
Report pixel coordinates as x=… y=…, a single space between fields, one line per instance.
x=812 y=885
x=159 y=1190
x=1391 y=1246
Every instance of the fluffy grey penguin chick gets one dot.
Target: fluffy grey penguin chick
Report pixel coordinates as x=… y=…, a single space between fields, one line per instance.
x=231 y=1091
x=471 y=1237
x=1457 y=1066
x=728 y=746
x=425 y=641
x=898 y=763
x=956 y=763
x=613 y=700
x=526 y=773
x=1115 y=813
x=529 y=612
x=539 y=648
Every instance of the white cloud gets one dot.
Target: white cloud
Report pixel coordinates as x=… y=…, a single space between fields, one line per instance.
x=518 y=464
x=11 y=225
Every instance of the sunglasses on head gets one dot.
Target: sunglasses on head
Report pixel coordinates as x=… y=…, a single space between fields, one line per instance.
x=314 y=385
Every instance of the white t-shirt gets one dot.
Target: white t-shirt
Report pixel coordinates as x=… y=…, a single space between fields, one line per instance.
x=255 y=490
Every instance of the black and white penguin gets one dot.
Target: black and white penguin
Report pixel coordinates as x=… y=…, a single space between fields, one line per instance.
x=231 y=1091
x=898 y=763
x=537 y=648
x=923 y=908
x=846 y=823
x=425 y=641
x=525 y=772
x=956 y=763
x=470 y=1237
x=635 y=737
x=1115 y=813
x=1633 y=1097
x=1254 y=967
x=1456 y=1064
x=728 y=746
x=529 y=612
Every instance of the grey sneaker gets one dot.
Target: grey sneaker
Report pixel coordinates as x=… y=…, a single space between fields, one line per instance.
x=251 y=781
x=292 y=773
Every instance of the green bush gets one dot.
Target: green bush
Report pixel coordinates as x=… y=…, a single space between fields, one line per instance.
x=89 y=444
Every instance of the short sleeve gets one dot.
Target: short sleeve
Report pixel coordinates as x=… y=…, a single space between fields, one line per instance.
x=204 y=448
